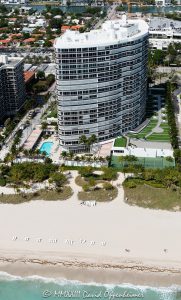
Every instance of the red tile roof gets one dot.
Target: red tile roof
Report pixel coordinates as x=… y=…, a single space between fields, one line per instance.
x=73 y=27
x=5 y=41
x=3 y=28
x=12 y=19
x=28 y=75
x=30 y=40
x=15 y=34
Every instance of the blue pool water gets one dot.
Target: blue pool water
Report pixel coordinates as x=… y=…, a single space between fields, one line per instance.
x=46 y=147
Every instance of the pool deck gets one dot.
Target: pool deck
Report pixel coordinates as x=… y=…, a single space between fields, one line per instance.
x=55 y=149
x=33 y=138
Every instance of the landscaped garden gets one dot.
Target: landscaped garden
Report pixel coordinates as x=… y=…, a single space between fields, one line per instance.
x=146 y=130
x=96 y=185
x=158 y=189
x=149 y=132
x=163 y=136
x=44 y=194
x=53 y=184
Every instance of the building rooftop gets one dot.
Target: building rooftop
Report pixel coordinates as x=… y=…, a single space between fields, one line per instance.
x=164 y=24
x=10 y=61
x=111 y=32
x=28 y=76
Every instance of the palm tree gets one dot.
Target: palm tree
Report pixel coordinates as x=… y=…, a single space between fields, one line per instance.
x=44 y=126
x=64 y=154
x=77 y=158
x=71 y=155
x=37 y=152
x=92 y=139
x=101 y=159
x=25 y=152
x=82 y=157
x=83 y=139
x=31 y=152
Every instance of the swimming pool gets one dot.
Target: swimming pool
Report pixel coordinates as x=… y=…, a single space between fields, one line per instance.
x=46 y=147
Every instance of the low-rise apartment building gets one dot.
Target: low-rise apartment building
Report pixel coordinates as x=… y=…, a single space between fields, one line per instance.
x=164 y=31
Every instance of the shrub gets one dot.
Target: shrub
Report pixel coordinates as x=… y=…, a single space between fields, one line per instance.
x=86 y=171
x=130 y=158
x=2 y=181
x=108 y=186
x=130 y=184
x=86 y=188
x=92 y=182
x=109 y=174
x=36 y=172
x=58 y=178
x=169 y=158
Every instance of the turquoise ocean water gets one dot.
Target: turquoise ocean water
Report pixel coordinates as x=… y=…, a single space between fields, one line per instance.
x=38 y=288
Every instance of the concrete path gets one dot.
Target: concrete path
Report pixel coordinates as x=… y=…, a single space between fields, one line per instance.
x=177 y=94
x=157 y=128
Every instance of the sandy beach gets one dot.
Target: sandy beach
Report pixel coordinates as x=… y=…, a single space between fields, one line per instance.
x=65 y=239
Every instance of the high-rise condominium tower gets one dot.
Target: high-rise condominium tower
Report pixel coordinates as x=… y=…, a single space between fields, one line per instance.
x=101 y=81
x=12 y=86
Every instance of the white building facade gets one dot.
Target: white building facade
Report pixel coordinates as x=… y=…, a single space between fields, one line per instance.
x=163 y=2
x=101 y=81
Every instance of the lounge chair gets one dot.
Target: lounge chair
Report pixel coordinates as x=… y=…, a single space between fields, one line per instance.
x=103 y=243
x=92 y=243
x=82 y=241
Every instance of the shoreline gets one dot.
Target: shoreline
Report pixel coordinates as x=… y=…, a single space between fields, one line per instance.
x=86 y=271
x=112 y=243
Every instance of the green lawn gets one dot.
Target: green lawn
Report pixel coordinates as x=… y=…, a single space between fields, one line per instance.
x=120 y=142
x=159 y=137
x=163 y=136
x=156 y=198
x=145 y=131
x=147 y=162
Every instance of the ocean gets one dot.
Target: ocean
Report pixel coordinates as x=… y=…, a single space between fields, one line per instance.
x=38 y=288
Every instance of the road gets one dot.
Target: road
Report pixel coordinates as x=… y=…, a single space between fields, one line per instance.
x=111 y=15
x=177 y=102
x=167 y=69
x=35 y=121
x=26 y=131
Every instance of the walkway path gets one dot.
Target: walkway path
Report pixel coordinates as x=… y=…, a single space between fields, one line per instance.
x=157 y=128
x=176 y=95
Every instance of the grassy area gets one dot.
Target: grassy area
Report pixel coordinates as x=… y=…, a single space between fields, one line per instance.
x=148 y=162
x=142 y=134
x=54 y=195
x=163 y=136
x=99 y=195
x=156 y=198
x=160 y=137
x=80 y=181
x=120 y=142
